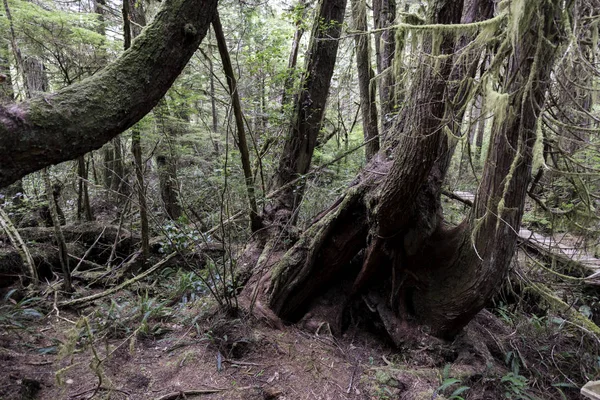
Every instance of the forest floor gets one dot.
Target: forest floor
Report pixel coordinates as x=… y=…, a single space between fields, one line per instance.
x=193 y=351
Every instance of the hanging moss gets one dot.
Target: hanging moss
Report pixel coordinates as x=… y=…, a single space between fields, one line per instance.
x=496 y=103
x=538 y=148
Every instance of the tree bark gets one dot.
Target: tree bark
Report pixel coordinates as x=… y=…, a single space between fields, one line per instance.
x=366 y=84
x=35 y=133
x=309 y=109
x=242 y=143
x=134 y=19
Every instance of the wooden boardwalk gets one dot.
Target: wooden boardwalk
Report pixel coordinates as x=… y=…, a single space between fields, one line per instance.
x=563 y=246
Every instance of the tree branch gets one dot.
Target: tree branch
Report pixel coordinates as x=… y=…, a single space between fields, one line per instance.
x=73 y=121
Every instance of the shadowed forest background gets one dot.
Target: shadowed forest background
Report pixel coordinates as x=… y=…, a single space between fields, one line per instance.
x=299 y=199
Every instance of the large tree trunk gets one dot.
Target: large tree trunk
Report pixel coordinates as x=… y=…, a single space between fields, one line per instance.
x=84 y=116
x=416 y=268
x=309 y=109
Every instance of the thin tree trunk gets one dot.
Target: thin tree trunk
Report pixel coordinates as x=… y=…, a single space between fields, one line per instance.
x=255 y=222
x=366 y=84
x=293 y=59
x=60 y=239
x=133 y=12
x=384 y=14
x=83 y=198
x=213 y=101
x=167 y=162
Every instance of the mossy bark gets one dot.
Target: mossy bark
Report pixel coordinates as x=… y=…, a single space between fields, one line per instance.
x=82 y=117
x=415 y=267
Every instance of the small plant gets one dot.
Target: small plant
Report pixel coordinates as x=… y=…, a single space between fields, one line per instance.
x=15 y=314
x=447 y=383
x=142 y=317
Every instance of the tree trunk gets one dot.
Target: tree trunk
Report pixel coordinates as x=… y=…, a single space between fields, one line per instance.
x=366 y=84
x=309 y=109
x=242 y=143
x=83 y=198
x=134 y=19
x=384 y=15
x=414 y=267
x=166 y=161
x=82 y=117
x=459 y=288
x=288 y=85
x=58 y=235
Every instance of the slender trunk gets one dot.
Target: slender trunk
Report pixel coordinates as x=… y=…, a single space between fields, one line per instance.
x=166 y=161
x=384 y=14
x=60 y=239
x=83 y=199
x=140 y=188
x=255 y=222
x=134 y=19
x=366 y=84
x=309 y=109
x=293 y=59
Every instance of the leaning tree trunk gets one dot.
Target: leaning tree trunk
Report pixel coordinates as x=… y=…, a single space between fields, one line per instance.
x=414 y=267
x=82 y=117
x=309 y=108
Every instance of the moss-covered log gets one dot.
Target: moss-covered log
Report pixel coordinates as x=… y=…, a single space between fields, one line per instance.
x=82 y=117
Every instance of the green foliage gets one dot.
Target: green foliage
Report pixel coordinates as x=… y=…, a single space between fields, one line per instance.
x=18 y=314
x=143 y=315
x=448 y=386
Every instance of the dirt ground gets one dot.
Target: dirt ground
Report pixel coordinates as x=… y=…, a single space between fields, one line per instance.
x=240 y=358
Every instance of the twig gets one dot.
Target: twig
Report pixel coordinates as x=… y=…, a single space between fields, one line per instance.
x=235 y=362
x=18 y=243
x=121 y=286
x=456 y=197
x=87 y=253
x=183 y=393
